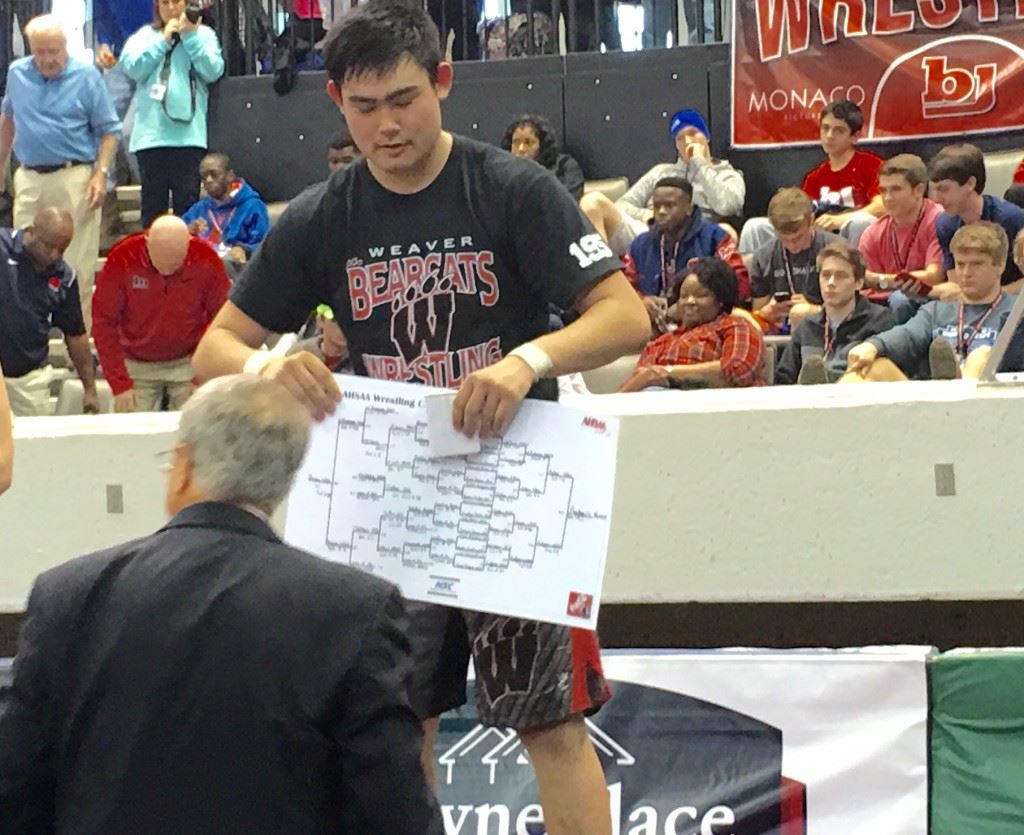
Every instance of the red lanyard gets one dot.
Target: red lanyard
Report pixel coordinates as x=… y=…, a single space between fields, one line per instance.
x=789 y=271
x=963 y=345
x=828 y=339
x=904 y=259
x=667 y=275
x=220 y=229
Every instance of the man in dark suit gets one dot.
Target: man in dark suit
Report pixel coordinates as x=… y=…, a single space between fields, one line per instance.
x=208 y=678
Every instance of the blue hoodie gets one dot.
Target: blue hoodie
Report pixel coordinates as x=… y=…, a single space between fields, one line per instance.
x=700 y=240
x=241 y=221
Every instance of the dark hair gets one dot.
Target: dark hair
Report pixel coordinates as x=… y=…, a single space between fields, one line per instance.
x=717 y=276
x=373 y=38
x=845 y=252
x=549 y=147
x=847 y=111
x=959 y=163
x=1015 y=194
x=222 y=157
x=676 y=182
x=341 y=139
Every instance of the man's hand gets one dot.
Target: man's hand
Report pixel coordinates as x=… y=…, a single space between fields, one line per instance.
x=861 y=358
x=198 y=226
x=236 y=253
x=489 y=398
x=945 y=292
x=911 y=287
x=96 y=189
x=309 y=381
x=830 y=223
x=649 y=375
x=91 y=401
x=105 y=59
x=657 y=309
x=697 y=147
x=125 y=401
x=775 y=311
x=332 y=340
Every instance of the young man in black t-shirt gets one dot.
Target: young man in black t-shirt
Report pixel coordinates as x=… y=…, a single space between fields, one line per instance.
x=440 y=256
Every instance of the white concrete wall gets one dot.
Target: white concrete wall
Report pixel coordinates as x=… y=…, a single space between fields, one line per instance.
x=819 y=493
x=57 y=508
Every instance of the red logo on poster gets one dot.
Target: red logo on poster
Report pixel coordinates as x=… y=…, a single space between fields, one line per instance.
x=955 y=91
x=580 y=605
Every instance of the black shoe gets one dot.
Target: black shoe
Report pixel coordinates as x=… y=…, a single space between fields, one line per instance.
x=942 y=360
x=812 y=372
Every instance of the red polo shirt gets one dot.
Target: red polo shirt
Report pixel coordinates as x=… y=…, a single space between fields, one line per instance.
x=145 y=316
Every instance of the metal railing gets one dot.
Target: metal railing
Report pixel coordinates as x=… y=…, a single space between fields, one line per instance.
x=256 y=34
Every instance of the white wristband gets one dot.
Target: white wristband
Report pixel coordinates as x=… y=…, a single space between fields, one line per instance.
x=536 y=358
x=257 y=361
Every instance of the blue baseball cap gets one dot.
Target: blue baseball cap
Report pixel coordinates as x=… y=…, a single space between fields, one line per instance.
x=688 y=119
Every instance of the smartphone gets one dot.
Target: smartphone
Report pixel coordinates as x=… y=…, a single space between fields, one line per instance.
x=782 y=296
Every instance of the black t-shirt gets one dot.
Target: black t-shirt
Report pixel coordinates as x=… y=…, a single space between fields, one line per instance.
x=30 y=304
x=429 y=287
x=768 y=273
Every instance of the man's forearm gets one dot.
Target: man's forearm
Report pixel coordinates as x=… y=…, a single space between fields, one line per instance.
x=6 y=440
x=6 y=143
x=876 y=207
x=108 y=147
x=610 y=328
x=81 y=358
x=220 y=352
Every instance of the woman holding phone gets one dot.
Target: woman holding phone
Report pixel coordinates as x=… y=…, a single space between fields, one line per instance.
x=173 y=61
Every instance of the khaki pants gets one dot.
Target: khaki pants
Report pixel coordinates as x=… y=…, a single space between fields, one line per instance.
x=152 y=379
x=64 y=189
x=30 y=393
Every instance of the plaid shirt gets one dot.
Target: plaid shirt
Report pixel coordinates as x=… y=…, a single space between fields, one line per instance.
x=734 y=340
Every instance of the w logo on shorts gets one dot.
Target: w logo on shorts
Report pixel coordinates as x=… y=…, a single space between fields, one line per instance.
x=506 y=656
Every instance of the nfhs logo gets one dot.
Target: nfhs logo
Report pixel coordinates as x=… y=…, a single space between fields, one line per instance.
x=955 y=91
x=594 y=423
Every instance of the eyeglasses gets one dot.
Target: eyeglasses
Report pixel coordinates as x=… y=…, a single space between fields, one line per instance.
x=163 y=461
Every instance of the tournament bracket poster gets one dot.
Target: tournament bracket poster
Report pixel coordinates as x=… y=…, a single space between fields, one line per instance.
x=917 y=68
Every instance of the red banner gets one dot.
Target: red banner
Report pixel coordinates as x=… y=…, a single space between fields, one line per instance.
x=917 y=68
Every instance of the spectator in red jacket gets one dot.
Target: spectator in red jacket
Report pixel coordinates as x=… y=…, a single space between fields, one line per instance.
x=1018 y=177
x=156 y=295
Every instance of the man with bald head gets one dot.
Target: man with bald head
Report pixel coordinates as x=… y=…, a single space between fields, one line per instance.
x=155 y=297
x=38 y=290
x=215 y=679
x=60 y=120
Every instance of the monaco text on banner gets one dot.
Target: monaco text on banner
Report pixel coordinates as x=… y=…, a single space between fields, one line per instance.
x=917 y=68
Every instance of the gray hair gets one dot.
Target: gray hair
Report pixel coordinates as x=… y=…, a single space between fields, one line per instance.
x=247 y=438
x=45 y=24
